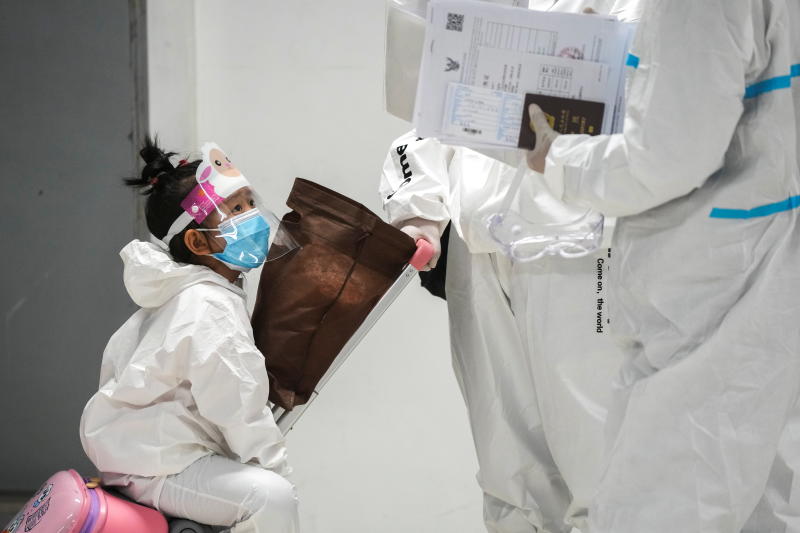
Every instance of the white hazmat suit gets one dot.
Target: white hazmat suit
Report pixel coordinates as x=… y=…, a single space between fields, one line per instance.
x=533 y=360
x=523 y=489
x=181 y=420
x=706 y=289
x=530 y=342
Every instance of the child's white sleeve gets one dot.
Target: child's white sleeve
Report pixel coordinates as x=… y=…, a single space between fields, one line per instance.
x=230 y=387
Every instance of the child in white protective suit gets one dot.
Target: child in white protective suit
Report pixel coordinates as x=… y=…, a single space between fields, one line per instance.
x=181 y=421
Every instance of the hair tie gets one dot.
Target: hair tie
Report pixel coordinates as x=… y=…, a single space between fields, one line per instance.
x=153 y=181
x=182 y=162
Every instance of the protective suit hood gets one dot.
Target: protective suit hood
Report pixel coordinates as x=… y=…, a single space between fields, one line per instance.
x=152 y=276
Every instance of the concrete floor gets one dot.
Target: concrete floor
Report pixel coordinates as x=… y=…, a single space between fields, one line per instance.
x=10 y=504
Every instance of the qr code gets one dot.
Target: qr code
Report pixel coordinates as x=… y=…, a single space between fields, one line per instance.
x=455 y=22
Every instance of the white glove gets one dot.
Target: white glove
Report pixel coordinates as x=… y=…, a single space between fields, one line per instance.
x=545 y=135
x=419 y=228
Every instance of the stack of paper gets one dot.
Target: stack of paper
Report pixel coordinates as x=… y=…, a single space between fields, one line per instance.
x=480 y=60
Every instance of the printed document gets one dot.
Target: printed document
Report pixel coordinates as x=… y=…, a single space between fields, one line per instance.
x=480 y=60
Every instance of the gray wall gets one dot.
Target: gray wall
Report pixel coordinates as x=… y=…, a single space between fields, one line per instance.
x=71 y=100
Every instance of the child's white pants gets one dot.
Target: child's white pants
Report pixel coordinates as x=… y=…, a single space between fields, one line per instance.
x=218 y=491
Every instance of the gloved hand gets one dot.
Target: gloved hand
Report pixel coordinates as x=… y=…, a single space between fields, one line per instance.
x=545 y=135
x=419 y=228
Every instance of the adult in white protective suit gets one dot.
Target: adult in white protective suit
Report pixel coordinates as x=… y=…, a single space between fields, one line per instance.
x=533 y=368
x=707 y=284
x=181 y=421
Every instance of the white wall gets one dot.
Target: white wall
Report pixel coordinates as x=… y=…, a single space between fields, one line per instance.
x=171 y=73
x=291 y=89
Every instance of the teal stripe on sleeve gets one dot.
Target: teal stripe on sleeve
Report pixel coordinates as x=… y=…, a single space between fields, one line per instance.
x=790 y=203
x=772 y=84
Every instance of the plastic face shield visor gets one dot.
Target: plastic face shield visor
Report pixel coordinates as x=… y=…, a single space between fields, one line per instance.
x=223 y=203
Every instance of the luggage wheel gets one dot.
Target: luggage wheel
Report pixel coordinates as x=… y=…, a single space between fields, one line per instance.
x=187 y=526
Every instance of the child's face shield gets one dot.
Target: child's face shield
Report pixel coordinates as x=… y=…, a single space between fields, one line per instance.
x=242 y=230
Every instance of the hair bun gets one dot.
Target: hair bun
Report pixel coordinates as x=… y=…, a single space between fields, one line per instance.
x=157 y=166
x=151 y=153
x=157 y=161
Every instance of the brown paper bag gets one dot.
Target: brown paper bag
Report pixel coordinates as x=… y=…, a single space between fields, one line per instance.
x=312 y=299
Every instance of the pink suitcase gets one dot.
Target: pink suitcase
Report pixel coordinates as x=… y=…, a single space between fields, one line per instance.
x=68 y=503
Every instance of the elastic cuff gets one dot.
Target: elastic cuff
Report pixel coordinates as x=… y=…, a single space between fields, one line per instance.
x=439 y=225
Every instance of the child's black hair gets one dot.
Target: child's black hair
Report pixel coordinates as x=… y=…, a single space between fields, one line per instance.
x=165 y=186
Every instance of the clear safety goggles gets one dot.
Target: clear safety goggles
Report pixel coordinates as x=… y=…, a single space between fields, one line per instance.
x=527 y=240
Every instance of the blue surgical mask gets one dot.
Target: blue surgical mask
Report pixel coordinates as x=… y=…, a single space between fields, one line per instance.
x=247 y=241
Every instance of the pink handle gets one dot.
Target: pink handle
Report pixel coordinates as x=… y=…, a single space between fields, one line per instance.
x=423 y=254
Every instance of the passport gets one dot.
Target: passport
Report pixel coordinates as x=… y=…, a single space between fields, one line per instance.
x=565 y=115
